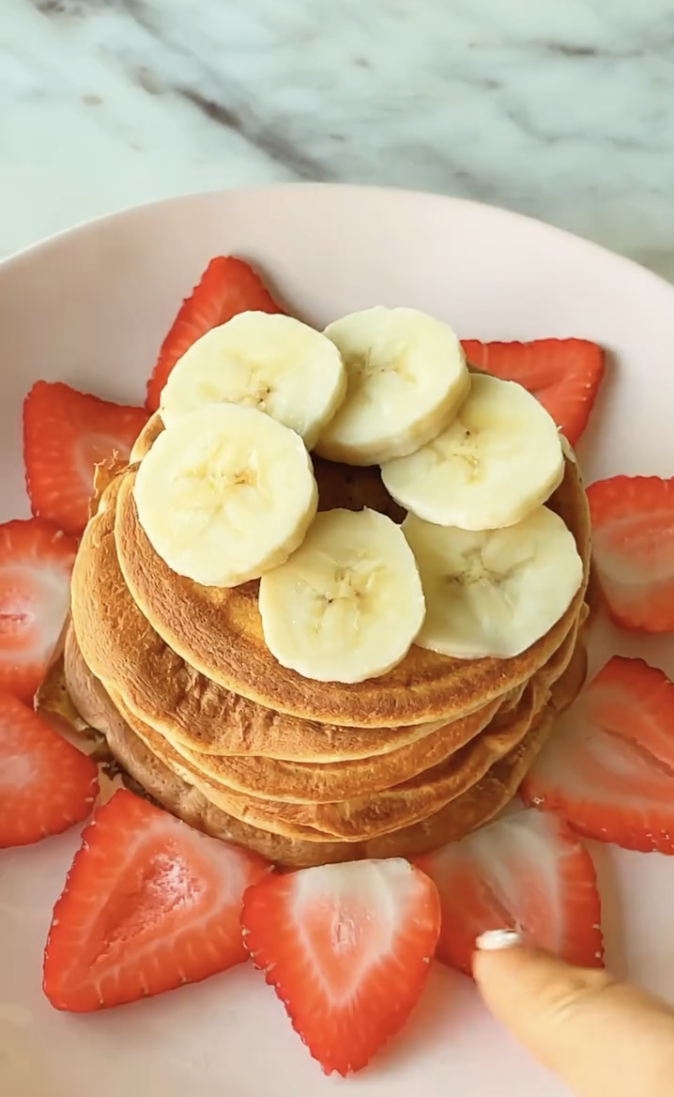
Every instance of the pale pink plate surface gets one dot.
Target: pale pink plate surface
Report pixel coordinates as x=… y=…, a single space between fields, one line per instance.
x=90 y=307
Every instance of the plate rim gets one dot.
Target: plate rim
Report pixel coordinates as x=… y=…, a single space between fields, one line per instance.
x=269 y=191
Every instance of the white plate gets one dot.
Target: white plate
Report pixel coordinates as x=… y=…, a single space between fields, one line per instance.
x=91 y=307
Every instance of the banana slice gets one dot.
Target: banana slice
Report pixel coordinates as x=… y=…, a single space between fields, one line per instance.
x=500 y=459
x=226 y=494
x=407 y=377
x=272 y=363
x=494 y=593
x=347 y=605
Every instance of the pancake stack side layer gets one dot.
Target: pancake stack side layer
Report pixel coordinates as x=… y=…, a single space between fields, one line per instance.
x=178 y=679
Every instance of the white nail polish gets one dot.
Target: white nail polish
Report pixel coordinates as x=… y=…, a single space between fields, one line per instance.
x=496 y=939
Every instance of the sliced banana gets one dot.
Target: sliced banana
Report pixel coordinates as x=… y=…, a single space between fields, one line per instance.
x=494 y=593
x=348 y=604
x=226 y=494
x=407 y=377
x=497 y=461
x=272 y=363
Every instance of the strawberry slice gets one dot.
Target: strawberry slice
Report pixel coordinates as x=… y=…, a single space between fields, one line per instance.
x=609 y=767
x=149 y=904
x=527 y=872
x=633 y=545
x=347 y=948
x=563 y=374
x=228 y=286
x=36 y=560
x=65 y=434
x=46 y=784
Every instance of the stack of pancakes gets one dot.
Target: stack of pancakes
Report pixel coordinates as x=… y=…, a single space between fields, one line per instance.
x=178 y=678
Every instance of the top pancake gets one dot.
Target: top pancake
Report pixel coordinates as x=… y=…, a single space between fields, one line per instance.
x=219 y=632
x=192 y=712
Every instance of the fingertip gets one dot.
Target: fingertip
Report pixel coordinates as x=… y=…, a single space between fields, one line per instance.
x=514 y=972
x=492 y=952
x=498 y=950
x=496 y=940
x=579 y=1022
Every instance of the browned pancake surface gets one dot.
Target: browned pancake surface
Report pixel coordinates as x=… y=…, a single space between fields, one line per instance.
x=219 y=632
x=192 y=711
x=406 y=805
x=359 y=818
x=454 y=821
x=297 y=782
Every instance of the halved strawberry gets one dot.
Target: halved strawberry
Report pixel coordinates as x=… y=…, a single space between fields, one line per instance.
x=348 y=949
x=633 y=549
x=46 y=784
x=36 y=560
x=609 y=766
x=66 y=433
x=228 y=286
x=564 y=374
x=149 y=904
x=527 y=872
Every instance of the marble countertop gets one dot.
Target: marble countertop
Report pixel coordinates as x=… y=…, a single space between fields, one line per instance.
x=564 y=110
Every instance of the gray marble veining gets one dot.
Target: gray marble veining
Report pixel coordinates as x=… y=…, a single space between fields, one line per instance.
x=561 y=110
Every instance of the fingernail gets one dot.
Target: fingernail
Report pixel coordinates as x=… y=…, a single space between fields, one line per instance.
x=496 y=939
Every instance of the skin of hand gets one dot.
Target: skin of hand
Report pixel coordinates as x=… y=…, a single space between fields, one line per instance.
x=603 y=1038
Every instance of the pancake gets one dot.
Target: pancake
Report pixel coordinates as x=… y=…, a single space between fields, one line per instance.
x=462 y=815
x=218 y=632
x=299 y=782
x=192 y=712
x=365 y=817
x=374 y=814
x=302 y=782
x=146 y=439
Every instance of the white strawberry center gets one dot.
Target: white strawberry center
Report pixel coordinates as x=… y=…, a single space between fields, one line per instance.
x=33 y=606
x=349 y=917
